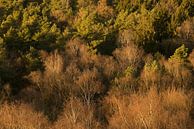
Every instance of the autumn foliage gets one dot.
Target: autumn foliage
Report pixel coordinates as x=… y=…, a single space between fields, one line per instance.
x=96 y=64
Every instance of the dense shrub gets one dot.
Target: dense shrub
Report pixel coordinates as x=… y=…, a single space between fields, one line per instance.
x=130 y=55
x=178 y=68
x=151 y=75
x=152 y=110
x=77 y=115
x=185 y=31
x=191 y=57
x=51 y=84
x=96 y=64
x=21 y=116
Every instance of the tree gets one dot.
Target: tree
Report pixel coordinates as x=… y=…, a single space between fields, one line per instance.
x=180 y=54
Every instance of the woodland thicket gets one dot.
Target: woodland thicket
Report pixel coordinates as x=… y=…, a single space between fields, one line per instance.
x=96 y=64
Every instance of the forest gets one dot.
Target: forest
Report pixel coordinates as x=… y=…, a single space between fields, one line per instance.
x=96 y=64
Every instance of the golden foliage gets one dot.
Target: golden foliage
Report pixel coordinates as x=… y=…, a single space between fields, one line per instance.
x=151 y=110
x=21 y=116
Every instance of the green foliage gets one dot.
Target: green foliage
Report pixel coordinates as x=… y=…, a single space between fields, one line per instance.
x=127 y=5
x=180 y=54
x=129 y=71
x=2 y=52
x=181 y=13
x=32 y=59
x=139 y=23
x=123 y=20
x=152 y=66
x=86 y=24
x=161 y=19
x=61 y=9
